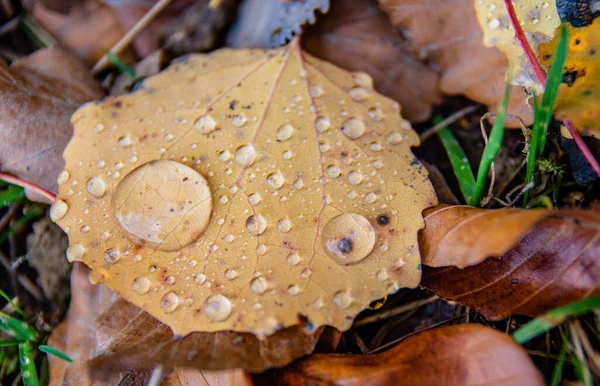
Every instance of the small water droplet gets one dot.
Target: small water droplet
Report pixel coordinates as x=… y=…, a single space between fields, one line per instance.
x=293 y=290
x=199 y=278
x=342 y=299
x=322 y=124
x=225 y=155
x=245 y=155
x=285 y=132
x=124 y=141
x=286 y=154
x=84 y=229
x=256 y=224
x=100 y=164
x=284 y=225
x=333 y=171
x=230 y=274
x=228 y=238
x=299 y=183
x=395 y=138
x=382 y=275
x=112 y=255
x=370 y=197
x=75 y=252
x=239 y=120
x=355 y=177
x=306 y=272
x=375 y=146
x=275 y=180
x=261 y=249
x=254 y=199
x=63 y=177
x=376 y=114
x=170 y=280
x=353 y=128
x=259 y=285
x=205 y=124
x=293 y=259
x=358 y=94
x=316 y=91
x=96 y=187
x=363 y=79
x=58 y=210
x=493 y=24
x=217 y=308
x=169 y=302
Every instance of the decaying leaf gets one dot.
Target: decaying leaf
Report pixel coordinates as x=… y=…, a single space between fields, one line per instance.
x=465 y=354
x=272 y=23
x=539 y=19
x=246 y=190
x=39 y=94
x=101 y=28
x=462 y=236
x=192 y=377
x=358 y=36
x=579 y=93
x=446 y=35
x=555 y=262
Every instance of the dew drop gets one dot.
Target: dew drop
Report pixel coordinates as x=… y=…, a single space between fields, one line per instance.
x=355 y=177
x=225 y=155
x=332 y=171
x=245 y=155
x=256 y=224
x=316 y=91
x=259 y=285
x=254 y=199
x=124 y=141
x=376 y=114
x=169 y=302
x=284 y=225
x=342 y=299
x=306 y=272
x=293 y=290
x=275 y=180
x=348 y=238
x=96 y=187
x=370 y=197
x=228 y=238
x=493 y=24
x=395 y=138
x=75 y=252
x=353 y=128
x=230 y=274
x=363 y=79
x=205 y=124
x=100 y=164
x=322 y=124
x=58 y=210
x=382 y=275
x=217 y=308
x=358 y=94
x=112 y=255
x=170 y=280
x=141 y=285
x=285 y=132
x=293 y=259
x=98 y=128
x=199 y=278
x=63 y=177
x=261 y=249
x=299 y=183
x=239 y=120
x=286 y=154
x=84 y=229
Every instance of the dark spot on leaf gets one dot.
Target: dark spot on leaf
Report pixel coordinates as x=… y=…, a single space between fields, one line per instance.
x=383 y=219
x=345 y=245
x=569 y=77
x=232 y=104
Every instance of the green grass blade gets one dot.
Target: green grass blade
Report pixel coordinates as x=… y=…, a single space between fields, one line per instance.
x=117 y=62
x=17 y=328
x=460 y=165
x=560 y=364
x=580 y=371
x=9 y=343
x=492 y=148
x=11 y=195
x=554 y=80
x=553 y=318
x=28 y=372
x=9 y=300
x=56 y=352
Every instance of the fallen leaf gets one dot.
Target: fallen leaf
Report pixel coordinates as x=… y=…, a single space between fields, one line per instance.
x=447 y=36
x=272 y=23
x=358 y=36
x=579 y=92
x=62 y=6
x=464 y=354
x=555 y=262
x=101 y=28
x=192 y=377
x=539 y=20
x=277 y=189
x=39 y=94
x=462 y=236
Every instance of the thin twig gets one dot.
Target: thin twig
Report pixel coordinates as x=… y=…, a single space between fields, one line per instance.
x=541 y=75
x=394 y=311
x=28 y=185
x=448 y=121
x=359 y=342
x=132 y=33
x=157 y=376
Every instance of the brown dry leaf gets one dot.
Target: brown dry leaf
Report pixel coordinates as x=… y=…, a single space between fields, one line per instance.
x=448 y=36
x=246 y=190
x=464 y=354
x=358 y=36
x=102 y=29
x=555 y=262
x=63 y=6
x=192 y=377
x=39 y=94
x=539 y=20
x=462 y=236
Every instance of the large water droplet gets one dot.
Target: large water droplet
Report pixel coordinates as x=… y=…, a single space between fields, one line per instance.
x=353 y=128
x=363 y=79
x=63 y=177
x=75 y=252
x=170 y=302
x=355 y=177
x=205 y=124
x=259 y=285
x=58 y=210
x=217 y=308
x=254 y=199
x=245 y=155
x=285 y=132
x=141 y=285
x=256 y=224
x=332 y=171
x=358 y=94
x=342 y=299
x=293 y=259
x=275 y=180
x=322 y=124
x=163 y=205
x=96 y=187
x=284 y=225
x=348 y=238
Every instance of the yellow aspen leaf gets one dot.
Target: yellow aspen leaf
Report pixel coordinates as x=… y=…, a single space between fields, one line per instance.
x=579 y=92
x=539 y=19
x=246 y=190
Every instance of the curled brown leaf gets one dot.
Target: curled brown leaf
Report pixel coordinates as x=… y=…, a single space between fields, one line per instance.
x=552 y=258
x=465 y=354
